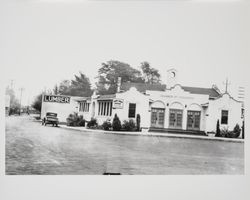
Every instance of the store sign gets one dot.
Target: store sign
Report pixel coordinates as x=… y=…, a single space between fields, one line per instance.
x=175 y=96
x=118 y=103
x=56 y=99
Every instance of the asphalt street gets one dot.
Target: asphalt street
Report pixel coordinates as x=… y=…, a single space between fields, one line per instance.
x=35 y=149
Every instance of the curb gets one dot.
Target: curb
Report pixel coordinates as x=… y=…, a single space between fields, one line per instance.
x=154 y=134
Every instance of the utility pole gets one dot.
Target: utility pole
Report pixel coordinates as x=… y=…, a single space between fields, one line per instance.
x=227 y=84
x=21 y=89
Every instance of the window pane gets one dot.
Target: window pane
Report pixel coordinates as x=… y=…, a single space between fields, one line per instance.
x=131 y=112
x=224 y=117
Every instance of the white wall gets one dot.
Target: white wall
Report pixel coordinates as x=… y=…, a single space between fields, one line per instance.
x=224 y=103
x=62 y=109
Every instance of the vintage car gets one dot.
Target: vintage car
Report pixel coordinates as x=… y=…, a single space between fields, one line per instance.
x=50 y=118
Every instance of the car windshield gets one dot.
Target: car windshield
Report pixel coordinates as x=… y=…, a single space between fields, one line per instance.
x=51 y=114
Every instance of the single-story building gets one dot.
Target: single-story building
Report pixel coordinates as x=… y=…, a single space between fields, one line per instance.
x=166 y=107
x=61 y=104
x=170 y=107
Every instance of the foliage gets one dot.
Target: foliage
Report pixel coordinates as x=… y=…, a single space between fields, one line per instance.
x=116 y=124
x=150 y=75
x=224 y=132
x=138 y=122
x=75 y=120
x=129 y=125
x=14 y=102
x=37 y=104
x=107 y=125
x=235 y=133
x=243 y=130
x=92 y=123
x=109 y=72
x=80 y=86
x=218 y=134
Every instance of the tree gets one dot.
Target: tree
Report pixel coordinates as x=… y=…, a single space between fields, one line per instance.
x=150 y=74
x=138 y=122
x=80 y=86
x=56 y=90
x=14 y=102
x=217 y=134
x=110 y=71
x=37 y=104
x=64 y=87
x=116 y=123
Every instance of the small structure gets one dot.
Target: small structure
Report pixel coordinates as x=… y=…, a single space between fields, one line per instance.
x=61 y=104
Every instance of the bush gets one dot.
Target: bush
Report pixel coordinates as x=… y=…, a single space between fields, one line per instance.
x=243 y=130
x=75 y=120
x=235 y=133
x=107 y=125
x=116 y=125
x=224 y=132
x=138 y=122
x=217 y=134
x=92 y=123
x=129 y=125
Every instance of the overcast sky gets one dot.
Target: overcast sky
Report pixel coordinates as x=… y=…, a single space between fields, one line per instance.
x=46 y=41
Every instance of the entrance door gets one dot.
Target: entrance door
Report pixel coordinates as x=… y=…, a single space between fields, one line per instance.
x=157 y=117
x=193 y=120
x=175 y=118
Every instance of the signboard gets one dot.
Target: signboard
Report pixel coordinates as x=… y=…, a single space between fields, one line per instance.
x=118 y=103
x=56 y=99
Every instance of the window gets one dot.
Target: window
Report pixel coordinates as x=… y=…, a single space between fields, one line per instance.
x=104 y=108
x=224 y=117
x=84 y=107
x=131 y=110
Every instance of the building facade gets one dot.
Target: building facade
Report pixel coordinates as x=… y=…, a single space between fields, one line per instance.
x=168 y=108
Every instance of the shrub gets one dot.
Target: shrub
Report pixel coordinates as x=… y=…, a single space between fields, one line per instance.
x=217 y=134
x=237 y=130
x=129 y=125
x=235 y=133
x=243 y=129
x=107 y=125
x=92 y=123
x=224 y=132
x=116 y=125
x=81 y=121
x=138 y=122
x=75 y=120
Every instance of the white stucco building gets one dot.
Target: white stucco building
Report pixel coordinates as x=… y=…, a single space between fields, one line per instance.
x=170 y=108
x=166 y=108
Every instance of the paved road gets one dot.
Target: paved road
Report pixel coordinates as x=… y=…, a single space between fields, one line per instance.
x=35 y=149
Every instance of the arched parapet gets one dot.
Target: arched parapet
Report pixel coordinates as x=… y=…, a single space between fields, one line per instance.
x=158 y=104
x=194 y=107
x=176 y=105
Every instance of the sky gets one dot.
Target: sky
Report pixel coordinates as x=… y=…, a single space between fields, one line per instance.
x=43 y=42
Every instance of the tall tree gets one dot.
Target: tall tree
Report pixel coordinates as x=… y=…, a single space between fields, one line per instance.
x=109 y=72
x=64 y=87
x=37 y=103
x=150 y=74
x=14 y=101
x=80 y=86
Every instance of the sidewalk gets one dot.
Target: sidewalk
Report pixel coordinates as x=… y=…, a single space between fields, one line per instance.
x=154 y=134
